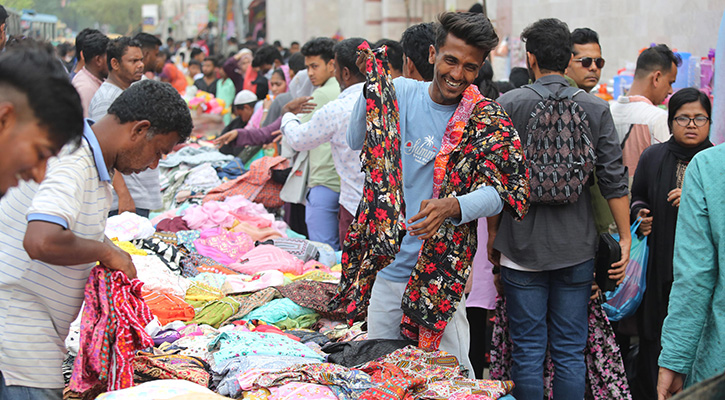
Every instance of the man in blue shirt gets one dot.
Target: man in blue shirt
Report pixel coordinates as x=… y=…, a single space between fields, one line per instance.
x=462 y=43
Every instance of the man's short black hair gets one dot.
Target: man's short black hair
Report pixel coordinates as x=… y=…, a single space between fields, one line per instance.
x=296 y=62
x=213 y=60
x=233 y=39
x=550 y=41
x=656 y=58
x=473 y=28
x=194 y=52
x=415 y=42
x=195 y=62
x=395 y=52
x=169 y=39
x=118 y=47
x=266 y=55
x=3 y=15
x=294 y=43
x=157 y=102
x=147 y=40
x=94 y=44
x=519 y=77
x=346 y=55
x=584 y=36
x=35 y=72
x=320 y=46
x=80 y=38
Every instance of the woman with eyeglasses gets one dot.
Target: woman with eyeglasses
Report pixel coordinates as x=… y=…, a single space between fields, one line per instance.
x=656 y=193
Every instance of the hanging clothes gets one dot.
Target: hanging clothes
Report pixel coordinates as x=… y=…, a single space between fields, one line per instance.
x=112 y=330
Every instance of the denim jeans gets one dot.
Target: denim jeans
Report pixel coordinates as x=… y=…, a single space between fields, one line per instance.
x=321 y=211
x=549 y=307
x=27 y=393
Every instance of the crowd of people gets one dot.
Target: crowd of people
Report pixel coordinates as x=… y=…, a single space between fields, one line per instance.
x=441 y=189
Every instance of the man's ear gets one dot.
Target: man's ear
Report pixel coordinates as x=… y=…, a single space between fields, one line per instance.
x=139 y=129
x=432 y=54
x=656 y=77
x=115 y=64
x=8 y=117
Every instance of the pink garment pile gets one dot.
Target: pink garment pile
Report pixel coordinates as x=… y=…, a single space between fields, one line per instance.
x=209 y=215
x=112 y=330
x=266 y=257
x=223 y=246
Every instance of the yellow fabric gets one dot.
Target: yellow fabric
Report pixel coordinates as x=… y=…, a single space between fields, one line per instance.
x=319 y=276
x=199 y=294
x=129 y=248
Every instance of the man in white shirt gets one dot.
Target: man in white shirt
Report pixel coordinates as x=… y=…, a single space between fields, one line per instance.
x=638 y=120
x=53 y=233
x=329 y=124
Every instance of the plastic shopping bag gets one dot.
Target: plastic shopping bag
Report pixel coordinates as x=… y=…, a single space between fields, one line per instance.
x=623 y=301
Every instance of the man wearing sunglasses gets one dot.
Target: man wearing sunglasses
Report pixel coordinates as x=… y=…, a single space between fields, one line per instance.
x=585 y=67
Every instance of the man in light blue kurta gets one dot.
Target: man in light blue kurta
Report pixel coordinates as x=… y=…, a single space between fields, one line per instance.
x=693 y=335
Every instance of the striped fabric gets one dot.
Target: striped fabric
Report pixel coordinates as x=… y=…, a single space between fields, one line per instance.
x=38 y=301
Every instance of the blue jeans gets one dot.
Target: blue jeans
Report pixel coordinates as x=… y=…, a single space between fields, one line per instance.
x=549 y=307
x=321 y=211
x=27 y=393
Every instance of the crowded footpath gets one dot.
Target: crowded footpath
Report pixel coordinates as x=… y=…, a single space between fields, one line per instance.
x=343 y=219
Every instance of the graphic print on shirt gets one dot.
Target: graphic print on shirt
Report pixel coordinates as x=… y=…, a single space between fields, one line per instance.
x=423 y=150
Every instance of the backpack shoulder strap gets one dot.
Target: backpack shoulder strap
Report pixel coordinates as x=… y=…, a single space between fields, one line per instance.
x=541 y=90
x=570 y=92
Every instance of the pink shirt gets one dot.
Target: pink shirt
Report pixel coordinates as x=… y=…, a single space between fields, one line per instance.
x=86 y=84
x=483 y=292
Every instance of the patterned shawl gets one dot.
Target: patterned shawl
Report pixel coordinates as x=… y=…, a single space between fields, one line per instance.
x=480 y=147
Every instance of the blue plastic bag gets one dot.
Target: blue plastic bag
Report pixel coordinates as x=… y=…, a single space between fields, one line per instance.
x=624 y=301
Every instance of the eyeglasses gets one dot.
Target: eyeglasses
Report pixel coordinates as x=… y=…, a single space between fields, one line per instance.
x=699 y=121
x=587 y=62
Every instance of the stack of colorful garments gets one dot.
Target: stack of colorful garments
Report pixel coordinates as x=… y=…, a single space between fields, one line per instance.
x=230 y=302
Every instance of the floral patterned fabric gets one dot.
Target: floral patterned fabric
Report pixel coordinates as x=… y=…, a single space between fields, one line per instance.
x=346 y=383
x=112 y=330
x=480 y=147
x=413 y=373
x=606 y=378
x=149 y=367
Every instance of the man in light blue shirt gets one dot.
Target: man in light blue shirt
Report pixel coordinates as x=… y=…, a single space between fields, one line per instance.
x=425 y=109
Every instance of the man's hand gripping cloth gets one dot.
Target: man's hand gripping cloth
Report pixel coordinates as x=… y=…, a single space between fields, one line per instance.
x=480 y=147
x=112 y=330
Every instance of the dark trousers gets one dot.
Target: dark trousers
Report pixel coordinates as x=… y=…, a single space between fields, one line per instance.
x=481 y=335
x=644 y=382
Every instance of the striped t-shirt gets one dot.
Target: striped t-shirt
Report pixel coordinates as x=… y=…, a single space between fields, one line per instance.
x=38 y=301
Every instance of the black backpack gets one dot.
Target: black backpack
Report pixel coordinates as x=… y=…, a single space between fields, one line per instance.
x=559 y=151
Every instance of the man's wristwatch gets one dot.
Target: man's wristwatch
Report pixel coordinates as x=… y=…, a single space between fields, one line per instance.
x=496 y=270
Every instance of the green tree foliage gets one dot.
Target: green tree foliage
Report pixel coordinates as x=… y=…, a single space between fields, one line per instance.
x=122 y=16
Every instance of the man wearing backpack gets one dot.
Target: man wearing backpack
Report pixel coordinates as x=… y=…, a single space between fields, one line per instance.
x=547 y=259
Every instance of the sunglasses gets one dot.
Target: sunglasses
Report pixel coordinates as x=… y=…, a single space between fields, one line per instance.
x=587 y=62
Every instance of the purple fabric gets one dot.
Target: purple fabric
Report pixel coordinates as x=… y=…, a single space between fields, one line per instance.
x=230 y=68
x=483 y=291
x=175 y=224
x=257 y=136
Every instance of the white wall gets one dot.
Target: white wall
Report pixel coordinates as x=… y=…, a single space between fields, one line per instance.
x=626 y=26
